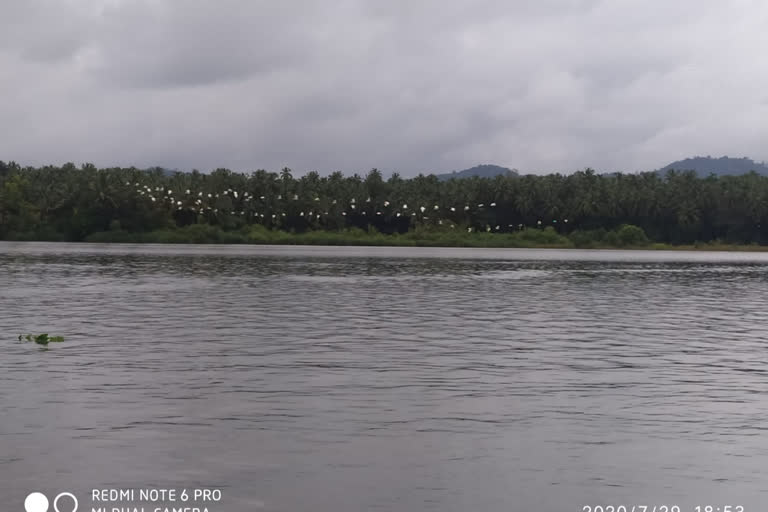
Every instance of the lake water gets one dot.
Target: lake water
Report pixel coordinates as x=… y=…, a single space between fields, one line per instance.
x=351 y=379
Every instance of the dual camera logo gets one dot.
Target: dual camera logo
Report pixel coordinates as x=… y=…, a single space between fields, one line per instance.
x=38 y=502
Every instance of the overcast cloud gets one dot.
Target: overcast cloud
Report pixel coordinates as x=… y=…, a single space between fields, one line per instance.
x=406 y=85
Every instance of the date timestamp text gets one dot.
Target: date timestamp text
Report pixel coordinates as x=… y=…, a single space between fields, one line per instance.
x=661 y=508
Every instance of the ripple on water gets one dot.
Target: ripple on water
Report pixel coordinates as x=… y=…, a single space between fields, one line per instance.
x=399 y=379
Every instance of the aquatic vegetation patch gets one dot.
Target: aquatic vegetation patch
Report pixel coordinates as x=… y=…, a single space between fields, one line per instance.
x=41 y=339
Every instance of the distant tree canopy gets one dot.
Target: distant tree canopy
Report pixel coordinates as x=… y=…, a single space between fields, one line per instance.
x=70 y=203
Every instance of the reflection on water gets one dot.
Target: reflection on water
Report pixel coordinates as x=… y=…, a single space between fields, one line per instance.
x=348 y=379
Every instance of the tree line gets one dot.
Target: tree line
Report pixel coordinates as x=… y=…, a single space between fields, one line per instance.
x=71 y=203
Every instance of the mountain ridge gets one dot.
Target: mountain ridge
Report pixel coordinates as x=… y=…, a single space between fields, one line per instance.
x=482 y=171
x=702 y=165
x=722 y=166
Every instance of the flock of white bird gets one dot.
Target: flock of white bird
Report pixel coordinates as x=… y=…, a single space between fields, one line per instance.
x=200 y=203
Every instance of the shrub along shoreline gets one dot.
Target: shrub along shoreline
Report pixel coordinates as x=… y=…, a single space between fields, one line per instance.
x=624 y=237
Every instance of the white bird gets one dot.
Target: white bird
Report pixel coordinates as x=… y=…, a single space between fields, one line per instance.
x=127 y=183
x=453 y=209
x=295 y=197
x=209 y=196
x=436 y=207
x=480 y=205
x=169 y=192
x=440 y=222
x=378 y=213
x=466 y=208
x=422 y=209
x=235 y=193
x=386 y=203
x=301 y=214
x=273 y=215
x=333 y=202
x=188 y=191
x=317 y=199
x=487 y=228
x=405 y=207
x=398 y=214
x=497 y=228
x=368 y=200
x=153 y=199
x=178 y=203
x=469 y=230
x=352 y=206
x=493 y=204
x=199 y=194
x=353 y=200
x=539 y=223
x=344 y=213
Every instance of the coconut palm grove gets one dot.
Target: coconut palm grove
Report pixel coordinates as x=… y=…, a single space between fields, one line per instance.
x=583 y=209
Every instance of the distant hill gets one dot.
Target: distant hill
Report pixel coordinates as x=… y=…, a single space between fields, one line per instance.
x=483 y=171
x=164 y=170
x=723 y=166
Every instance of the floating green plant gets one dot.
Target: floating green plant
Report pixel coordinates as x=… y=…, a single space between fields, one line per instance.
x=41 y=339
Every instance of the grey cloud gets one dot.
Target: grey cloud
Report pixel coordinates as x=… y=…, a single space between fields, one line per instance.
x=41 y=30
x=554 y=85
x=197 y=42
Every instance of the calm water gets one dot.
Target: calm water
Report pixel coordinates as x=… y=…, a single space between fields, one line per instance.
x=352 y=379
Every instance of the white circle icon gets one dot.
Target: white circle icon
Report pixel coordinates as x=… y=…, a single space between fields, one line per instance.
x=68 y=495
x=36 y=502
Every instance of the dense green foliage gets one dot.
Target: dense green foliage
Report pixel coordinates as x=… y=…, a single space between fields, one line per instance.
x=583 y=209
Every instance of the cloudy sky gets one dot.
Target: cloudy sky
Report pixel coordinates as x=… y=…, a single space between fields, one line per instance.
x=406 y=85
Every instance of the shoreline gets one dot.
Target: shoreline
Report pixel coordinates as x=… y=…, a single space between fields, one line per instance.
x=466 y=242
x=625 y=237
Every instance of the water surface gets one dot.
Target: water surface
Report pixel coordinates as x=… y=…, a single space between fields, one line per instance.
x=350 y=379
